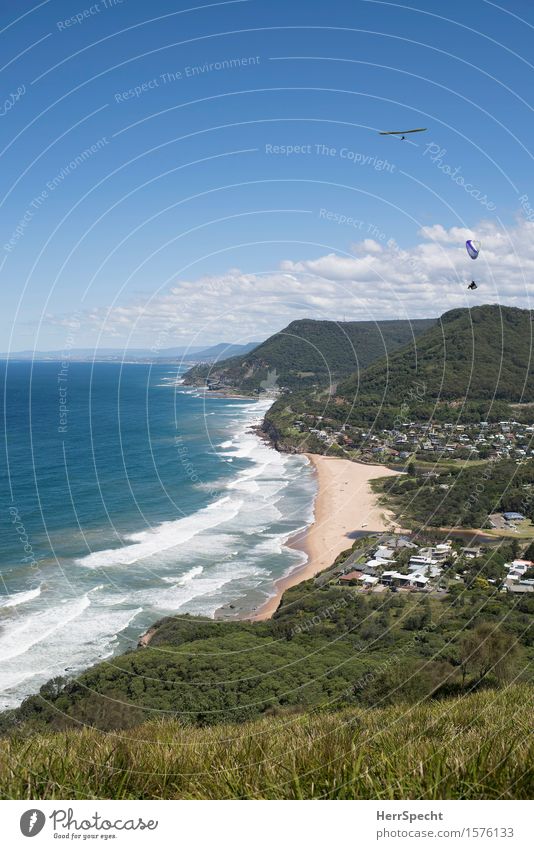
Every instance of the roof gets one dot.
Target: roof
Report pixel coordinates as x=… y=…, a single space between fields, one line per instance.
x=398 y=542
x=384 y=553
x=513 y=515
x=371 y=564
x=351 y=576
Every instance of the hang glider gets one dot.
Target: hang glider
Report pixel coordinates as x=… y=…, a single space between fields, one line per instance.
x=402 y=133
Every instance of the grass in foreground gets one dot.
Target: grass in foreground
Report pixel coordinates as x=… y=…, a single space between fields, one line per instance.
x=473 y=747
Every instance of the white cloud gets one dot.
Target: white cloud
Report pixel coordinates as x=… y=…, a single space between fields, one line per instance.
x=375 y=281
x=438 y=233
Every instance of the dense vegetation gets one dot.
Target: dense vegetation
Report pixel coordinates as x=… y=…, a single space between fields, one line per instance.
x=478 y=359
x=473 y=747
x=327 y=647
x=312 y=353
x=463 y=496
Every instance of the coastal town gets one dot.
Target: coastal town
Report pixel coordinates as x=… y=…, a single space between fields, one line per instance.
x=424 y=440
x=397 y=563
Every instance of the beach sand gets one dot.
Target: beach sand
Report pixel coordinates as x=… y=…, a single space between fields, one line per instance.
x=344 y=504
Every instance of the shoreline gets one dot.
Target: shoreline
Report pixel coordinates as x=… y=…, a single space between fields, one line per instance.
x=344 y=504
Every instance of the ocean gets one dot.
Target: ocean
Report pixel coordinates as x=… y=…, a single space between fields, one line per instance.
x=128 y=496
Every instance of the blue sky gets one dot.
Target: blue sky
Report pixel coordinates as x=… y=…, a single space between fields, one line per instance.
x=181 y=174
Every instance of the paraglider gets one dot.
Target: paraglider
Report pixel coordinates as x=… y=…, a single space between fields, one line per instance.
x=403 y=133
x=473 y=248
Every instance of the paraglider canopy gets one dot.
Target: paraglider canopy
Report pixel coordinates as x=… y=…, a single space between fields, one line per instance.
x=473 y=248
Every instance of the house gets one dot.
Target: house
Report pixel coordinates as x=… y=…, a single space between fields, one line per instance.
x=401 y=542
x=471 y=552
x=517 y=569
x=420 y=562
x=393 y=578
x=372 y=566
x=424 y=566
x=369 y=580
x=387 y=577
x=351 y=577
x=513 y=517
x=396 y=579
x=443 y=550
x=418 y=580
x=384 y=553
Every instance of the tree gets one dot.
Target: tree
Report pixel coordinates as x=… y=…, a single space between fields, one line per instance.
x=515 y=547
x=402 y=558
x=487 y=649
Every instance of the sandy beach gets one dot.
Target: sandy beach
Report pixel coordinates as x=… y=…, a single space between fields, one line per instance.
x=345 y=503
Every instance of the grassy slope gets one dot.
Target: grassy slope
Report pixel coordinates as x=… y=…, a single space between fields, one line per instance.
x=474 y=747
x=311 y=352
x=327 y=647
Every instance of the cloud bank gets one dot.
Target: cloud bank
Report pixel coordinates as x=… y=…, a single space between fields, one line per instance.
x=372 y=281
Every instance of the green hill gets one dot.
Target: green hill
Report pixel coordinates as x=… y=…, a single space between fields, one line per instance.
x=474 y=747
x=471 y=365
x=472 y=358
x=311 y=353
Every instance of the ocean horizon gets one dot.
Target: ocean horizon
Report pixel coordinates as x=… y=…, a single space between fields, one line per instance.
x=130 y=497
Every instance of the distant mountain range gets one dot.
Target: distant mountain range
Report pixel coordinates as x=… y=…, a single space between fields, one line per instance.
x=310 y=353
x=222 y=351
x=193 y=354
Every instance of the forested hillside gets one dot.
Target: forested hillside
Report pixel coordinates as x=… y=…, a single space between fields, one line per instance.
x=472 y=365
x=311 y=353
x=470 y=359
x=464 y=496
